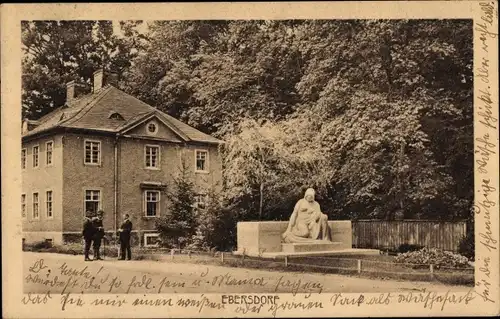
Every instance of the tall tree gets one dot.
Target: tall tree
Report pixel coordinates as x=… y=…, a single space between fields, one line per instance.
x=56 y=52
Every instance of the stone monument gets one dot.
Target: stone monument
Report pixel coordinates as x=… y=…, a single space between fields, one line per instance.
x=307 y=233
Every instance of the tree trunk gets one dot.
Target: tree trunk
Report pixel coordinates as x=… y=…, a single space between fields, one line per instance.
x=261 y=199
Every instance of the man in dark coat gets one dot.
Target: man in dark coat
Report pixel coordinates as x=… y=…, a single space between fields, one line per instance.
x=98 y=235
x=124 y=231
x=88 y=234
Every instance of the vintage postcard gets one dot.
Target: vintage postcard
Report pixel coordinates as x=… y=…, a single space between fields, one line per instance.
x=291 y=159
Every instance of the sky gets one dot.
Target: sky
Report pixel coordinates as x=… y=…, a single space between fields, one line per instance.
x=141 y=29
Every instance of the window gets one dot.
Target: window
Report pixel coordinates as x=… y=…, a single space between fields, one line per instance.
x=152 y=202
x=152 y=154
x=92 y=152
x=152 y=128
x=35 y=156
x=116 y=116
x=23 y=206
x=48 y=204
x=36 y=213
x=23 y=158
x=92 y=201
x=201 y=161
x=201 y=201
x=151 y=240
x=48 y=153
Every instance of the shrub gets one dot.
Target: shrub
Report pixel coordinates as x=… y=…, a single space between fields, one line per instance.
x=404 y=248
x=41 y=245
x=467 y=246
x=216 y=226
x=436 y=257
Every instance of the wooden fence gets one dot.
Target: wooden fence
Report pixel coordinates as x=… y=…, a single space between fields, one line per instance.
x=381 y=234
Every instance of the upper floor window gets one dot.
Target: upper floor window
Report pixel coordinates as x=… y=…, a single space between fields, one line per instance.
x=92 y=200
x=23 y=158
x=48 y=204
x=92 y=152
x=152 y=156
x=201 y=161
x=23 y=206
x=48 y=153
x=36 y=212
x=35 y=156
x=152 y=203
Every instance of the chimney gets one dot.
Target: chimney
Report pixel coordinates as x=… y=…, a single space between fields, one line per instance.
x=98 y=77
x=70 y=91
x=112 y=79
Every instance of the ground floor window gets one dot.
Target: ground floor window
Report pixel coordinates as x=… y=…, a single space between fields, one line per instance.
x=92 y=201
x=151 y=203
x=23 y=206
x=151 y=240
x=36 y=213
x=48 y=204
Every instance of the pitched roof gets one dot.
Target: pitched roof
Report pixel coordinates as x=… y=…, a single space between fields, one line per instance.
x=92 y=112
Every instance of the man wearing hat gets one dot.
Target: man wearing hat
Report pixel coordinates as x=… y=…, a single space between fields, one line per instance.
x=98 y=235
x=88 y=233
x=124 y=232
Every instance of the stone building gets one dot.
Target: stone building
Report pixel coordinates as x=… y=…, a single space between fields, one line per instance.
x=107 y=150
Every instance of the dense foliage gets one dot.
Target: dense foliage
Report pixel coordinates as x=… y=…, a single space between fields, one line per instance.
x=374 y=114
x=433 y=256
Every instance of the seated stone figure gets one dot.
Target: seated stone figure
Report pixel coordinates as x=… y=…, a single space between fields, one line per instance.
x=307 y=223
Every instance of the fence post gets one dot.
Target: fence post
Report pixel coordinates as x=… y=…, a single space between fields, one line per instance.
x=172 y=254
x=222 y=257
x=189 y=254
x=286 y=261
x=431 y=269
x=359 y=266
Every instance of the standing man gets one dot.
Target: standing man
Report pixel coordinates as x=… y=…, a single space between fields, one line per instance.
x=88 y=234
x=125 y=230
x=99 y=234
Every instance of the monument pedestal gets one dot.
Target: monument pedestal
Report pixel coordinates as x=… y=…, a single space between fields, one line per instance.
x=308 y=247
x=263 y=239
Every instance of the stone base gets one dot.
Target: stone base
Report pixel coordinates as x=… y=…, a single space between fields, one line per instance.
x=340 y=252
x=256 y=238
x=310 y=247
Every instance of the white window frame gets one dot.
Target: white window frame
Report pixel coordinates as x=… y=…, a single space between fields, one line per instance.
x=158 y=159
x=51 y=204
x=51 y=143
x=25 y=151
x=37 y=204
x=37 y=155
x=92 y=189
x=206 y=170
x=145 y=203
x=148 y=235
x=156 y=128
x=24 y=206
x=85 y=152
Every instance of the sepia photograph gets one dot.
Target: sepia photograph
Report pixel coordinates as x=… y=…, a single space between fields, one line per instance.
x=165 y=160
x=338 y=147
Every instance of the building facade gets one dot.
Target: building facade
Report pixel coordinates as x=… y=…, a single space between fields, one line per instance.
x=108 y=150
